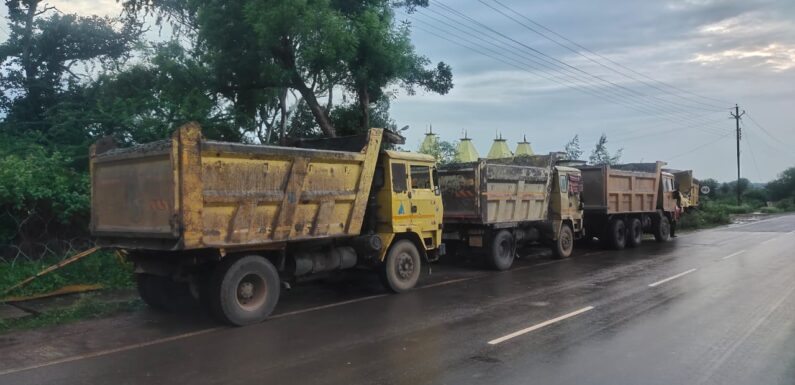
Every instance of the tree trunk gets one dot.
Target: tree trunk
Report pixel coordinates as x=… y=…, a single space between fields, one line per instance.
x=311 y=100
x=283 y=111
x=364 y=104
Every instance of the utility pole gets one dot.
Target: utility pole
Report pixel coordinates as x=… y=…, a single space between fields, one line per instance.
x=737 y=115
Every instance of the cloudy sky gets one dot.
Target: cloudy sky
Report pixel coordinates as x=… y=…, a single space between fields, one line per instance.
x=683 y=63
x=725 y=52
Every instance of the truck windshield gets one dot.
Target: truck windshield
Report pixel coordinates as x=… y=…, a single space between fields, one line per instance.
x=420 y=177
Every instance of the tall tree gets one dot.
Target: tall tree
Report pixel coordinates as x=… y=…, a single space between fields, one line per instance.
x=47 y=58
x=310 y=46
x=600 y=154
x=573 y=151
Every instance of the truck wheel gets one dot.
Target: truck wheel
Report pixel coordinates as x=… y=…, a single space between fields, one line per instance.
x=151 y=288
x=635 y=232
x=565 y=243
x=662 y=230
x=402 y=267
x=502 y=251
x=244 y=290
x=617 y=234
x=163 y=293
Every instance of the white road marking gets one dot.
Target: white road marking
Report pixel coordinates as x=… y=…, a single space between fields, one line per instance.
x=671 y=278
x=539 y=326
x=110 y=351
x=768 y=241
x=733 y=254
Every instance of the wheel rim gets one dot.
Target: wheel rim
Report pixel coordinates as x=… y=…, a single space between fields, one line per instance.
x=405 y=266
x=637 y=232
x=504 y=250
x=251 y=292
x=621 y=231
x=665 y=229
x=566 y=241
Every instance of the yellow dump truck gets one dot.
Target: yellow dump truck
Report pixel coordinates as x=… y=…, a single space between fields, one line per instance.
x=622 y=202
x=687 y=186
x=229 y=224
x=497 y=205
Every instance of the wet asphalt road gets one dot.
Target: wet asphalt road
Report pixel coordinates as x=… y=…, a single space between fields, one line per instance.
x=711 y=307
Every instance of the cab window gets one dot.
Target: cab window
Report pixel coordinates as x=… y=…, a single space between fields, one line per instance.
x=398 y=177
x=564 y=183
x=668 y=185
x=420 y=177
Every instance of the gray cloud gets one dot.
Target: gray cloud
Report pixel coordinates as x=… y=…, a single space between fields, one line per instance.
x=735 y=51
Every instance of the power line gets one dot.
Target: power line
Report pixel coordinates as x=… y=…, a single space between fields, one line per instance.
x=606 y=59
x=586 y=72
x=753 y=157
x=512 y=51
x=711 y=142
x=556 y=64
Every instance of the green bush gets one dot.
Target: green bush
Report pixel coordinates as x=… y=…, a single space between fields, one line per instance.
x=707 y=215
x=770 y=210
x=44 y=203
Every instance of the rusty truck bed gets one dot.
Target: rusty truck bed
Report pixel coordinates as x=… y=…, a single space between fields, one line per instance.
x=627 y=188
x=191 y=193
x=495 y=191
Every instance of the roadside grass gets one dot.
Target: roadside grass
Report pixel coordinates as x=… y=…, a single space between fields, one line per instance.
x=716 y=213
x=102 y=267
x=87 y=307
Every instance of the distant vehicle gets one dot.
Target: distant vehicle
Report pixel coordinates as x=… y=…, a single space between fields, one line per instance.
x=622 y=202
x=226 y=223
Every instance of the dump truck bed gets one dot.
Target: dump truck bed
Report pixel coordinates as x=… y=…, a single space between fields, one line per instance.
x=497 y=191
x=620 y=189
x=191 y=193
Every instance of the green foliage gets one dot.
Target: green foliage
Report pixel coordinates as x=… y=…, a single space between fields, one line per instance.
x=600 y=154
x=444 y=152
x=309 y=46
x=46 y=62
x=783 y=187
x=708 y=215
x=41 y=197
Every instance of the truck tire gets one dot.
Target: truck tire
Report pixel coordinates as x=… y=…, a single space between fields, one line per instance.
x=163 y=293
x=151 y=289
x=564 y=244
x=662 y=230
x=635 y=233
x=501 y=251
x=243 y=290
x=617 y=233
x=402 y=267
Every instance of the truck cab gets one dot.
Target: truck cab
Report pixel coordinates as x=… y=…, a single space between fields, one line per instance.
x=409 y=204
x=565 y=209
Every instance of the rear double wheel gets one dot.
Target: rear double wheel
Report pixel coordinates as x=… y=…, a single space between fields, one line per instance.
x=635 y=232
x=243 y=290
x=662 y=229
x=501 y=251
x=164 y=294
x=617 y=233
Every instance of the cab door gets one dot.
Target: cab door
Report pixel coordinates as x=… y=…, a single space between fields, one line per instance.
x=425 y=213
x=400 y=204
x=668 y=199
